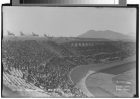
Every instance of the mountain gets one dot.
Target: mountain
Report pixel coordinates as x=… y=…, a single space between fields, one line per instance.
x=107 y=34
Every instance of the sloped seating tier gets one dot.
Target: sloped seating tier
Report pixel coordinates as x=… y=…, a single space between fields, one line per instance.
x=17 y=82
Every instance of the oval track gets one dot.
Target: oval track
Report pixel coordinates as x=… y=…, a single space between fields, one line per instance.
x=115 y=68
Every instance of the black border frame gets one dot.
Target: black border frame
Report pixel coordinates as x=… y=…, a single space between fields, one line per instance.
x=49 y=1
x=87 y=5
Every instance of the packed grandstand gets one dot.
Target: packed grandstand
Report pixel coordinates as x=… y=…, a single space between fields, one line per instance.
x=40 y=68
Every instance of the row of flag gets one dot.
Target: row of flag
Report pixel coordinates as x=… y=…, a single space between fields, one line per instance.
x=22 y=34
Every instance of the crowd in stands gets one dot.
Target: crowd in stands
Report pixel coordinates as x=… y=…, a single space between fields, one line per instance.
x=38 y=65
x=45 y=65
x=14 y=80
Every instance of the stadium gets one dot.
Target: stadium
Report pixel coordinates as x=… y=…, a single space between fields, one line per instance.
x=56 y=66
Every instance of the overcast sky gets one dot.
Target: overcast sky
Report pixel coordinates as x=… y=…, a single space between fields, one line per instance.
x=68 y=21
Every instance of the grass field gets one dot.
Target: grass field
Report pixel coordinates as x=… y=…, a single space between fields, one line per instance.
x=80 y=71
x=100 y=83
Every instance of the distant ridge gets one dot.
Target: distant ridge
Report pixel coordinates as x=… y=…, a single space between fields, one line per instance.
x=107 y=34
x=22 y=38
x=90 y=35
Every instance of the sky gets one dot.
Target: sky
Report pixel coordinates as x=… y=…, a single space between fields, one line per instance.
x=67 y=21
